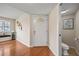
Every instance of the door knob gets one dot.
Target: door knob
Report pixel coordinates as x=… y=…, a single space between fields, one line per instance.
x=59 y=34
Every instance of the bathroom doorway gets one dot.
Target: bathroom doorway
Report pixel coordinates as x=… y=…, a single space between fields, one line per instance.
x=68 y=16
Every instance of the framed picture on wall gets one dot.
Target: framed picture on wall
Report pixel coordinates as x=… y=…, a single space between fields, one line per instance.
x=68 y=23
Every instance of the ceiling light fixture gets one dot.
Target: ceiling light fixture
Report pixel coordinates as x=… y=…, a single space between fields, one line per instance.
x=63 y=12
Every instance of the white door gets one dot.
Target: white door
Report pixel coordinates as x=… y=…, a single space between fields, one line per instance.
x=39 y=31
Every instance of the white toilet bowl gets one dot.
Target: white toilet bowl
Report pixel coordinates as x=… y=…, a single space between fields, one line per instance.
x=65 y=48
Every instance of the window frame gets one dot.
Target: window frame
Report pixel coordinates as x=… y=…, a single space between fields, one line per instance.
x=4 y=26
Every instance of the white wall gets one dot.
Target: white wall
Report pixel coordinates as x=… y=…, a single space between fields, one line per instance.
x=77 y=31
x=69 y=34
x=23 y=35
x=77 y=24
x=54 y=19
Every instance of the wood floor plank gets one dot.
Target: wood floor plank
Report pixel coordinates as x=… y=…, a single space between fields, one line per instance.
x=15 y=48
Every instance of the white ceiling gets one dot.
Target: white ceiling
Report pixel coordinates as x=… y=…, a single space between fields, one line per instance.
x=10 y=12
x=34 y=8
x=72 y=7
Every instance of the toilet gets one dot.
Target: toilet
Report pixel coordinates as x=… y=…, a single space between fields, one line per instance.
x=65 y=49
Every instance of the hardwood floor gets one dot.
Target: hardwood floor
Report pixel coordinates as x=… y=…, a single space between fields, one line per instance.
x=15 y=48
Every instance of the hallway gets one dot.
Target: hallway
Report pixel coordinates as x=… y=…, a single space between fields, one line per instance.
x=37 y=26
x=15 y=48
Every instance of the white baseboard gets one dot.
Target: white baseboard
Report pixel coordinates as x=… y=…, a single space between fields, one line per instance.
x=38 y=45
x=30 y=45
x=51 y=50
x=24 y=43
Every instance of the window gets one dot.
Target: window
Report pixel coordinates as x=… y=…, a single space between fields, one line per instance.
x=4 y=26
x=1 y=26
